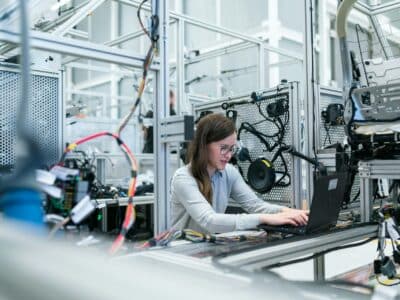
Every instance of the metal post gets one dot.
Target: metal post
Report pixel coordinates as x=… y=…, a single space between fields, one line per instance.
x=218 y=83
x=180 y=67
x=324 y=37
x=309 y=91
x=104 y=223
x=273 y=57
x=319 y=268
x=365 y=199
x=261 y=66
x=161 y=202
x=114 y=86
x=296 y=105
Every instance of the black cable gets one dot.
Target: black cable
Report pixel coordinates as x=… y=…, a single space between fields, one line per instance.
x=328 y=135
x=266 y=117
x=140 y=19
x=282 y=131
x=394 y=183
x=312 y=75
x=261 y=136
x=285 y=173
x=248 y=127
x=356 y=196
x=276 y=137
x=376 y=195
x=299 y=260
x=358 y=27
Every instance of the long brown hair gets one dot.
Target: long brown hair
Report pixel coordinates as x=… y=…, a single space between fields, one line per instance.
x=211 y=128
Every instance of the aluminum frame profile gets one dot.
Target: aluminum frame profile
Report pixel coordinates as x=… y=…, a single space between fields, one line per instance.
x=374 y=169
x=77 y=17
x=384 y=7
x=219 y=29
x=309 y=93
x=162 y=167
x=48 y=42
x=9 y=47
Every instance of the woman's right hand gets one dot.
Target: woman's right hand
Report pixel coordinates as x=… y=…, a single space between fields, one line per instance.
x=293 y=217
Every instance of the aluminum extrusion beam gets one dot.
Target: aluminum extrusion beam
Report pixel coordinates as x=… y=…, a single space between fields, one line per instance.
x=319 y=268
x=7 y=47
x=162 y=169
x=78 y=33
x=255 y=259
x=63 y=18
x=385 y=7
x=123 y=201
x=77 y=17
x=376 y=169
x=218 y=29
x=49 y=42
x=365 y=199
x=363 y=7
x=180 y=64
x=309 y=93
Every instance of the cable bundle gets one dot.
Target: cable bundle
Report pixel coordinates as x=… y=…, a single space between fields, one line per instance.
x=130 y=210
x=166 y=237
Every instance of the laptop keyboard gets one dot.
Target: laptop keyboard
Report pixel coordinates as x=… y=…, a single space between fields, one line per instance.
x=291 y=229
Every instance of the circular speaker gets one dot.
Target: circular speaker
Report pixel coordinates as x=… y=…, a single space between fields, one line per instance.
x=261 y=175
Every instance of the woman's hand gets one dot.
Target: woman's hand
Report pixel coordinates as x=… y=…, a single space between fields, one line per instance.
x=295 y=217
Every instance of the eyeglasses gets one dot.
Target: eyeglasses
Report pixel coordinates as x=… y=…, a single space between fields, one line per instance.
x=225 y=149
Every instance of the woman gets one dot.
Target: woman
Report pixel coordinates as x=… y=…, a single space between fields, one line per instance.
x=200 y=190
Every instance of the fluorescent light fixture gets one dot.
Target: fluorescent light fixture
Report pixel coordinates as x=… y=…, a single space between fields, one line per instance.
x=59 y=4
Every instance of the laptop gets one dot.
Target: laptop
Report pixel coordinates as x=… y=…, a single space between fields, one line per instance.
x=329 y=192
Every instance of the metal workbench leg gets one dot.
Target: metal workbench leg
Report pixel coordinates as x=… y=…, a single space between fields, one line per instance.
x=319 y=268
x=365 y=199
x=104 y=225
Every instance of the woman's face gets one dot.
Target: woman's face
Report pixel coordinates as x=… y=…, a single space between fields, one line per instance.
x=220 y=153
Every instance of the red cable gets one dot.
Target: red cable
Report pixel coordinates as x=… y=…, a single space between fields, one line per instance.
x=130 y=209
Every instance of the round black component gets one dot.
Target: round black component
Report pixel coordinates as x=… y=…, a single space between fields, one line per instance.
x=261 y=175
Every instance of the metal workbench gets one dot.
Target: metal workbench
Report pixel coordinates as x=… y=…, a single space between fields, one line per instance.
x=252 y=256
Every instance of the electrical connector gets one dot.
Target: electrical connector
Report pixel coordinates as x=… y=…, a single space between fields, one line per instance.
x=377 y=266
x=396 y=257
x=388 y=267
